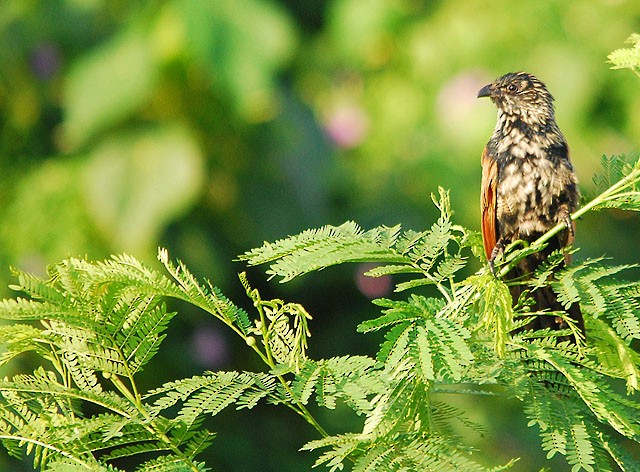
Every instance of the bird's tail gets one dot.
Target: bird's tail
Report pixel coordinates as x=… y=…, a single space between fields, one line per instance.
x=545 y=299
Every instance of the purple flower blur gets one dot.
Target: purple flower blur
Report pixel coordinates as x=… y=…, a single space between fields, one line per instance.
x=45 y=61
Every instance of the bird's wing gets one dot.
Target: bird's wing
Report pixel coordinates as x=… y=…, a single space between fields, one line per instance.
x=488 y=201
x=567 y=237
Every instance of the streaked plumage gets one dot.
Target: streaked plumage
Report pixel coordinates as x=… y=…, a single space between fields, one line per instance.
x=528 y=183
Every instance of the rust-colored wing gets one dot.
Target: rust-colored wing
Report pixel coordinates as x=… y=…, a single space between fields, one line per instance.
x=488 y=201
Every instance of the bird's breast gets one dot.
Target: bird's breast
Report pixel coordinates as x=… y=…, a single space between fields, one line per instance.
x=530 y=189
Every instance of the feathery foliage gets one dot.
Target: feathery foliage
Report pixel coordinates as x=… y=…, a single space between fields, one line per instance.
x=95 y=325
x=627 y=58
x=464 y=341
x=618 y=183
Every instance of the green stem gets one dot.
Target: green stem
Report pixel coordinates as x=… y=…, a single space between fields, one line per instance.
x=302 y=410
x=268 y=359
x=151 y=426
x=122 y=388
x=265 y=356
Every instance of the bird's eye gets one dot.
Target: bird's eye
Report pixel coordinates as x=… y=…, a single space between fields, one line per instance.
x=512 y=88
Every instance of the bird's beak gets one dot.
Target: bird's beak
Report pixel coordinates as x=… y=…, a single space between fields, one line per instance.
x=485 y=91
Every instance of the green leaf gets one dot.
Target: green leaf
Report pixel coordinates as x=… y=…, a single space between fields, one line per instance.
x=108 y=84
x=497 y=315
x=241 y=57
x=330 y=245
x=628 y=58
x=135 y=184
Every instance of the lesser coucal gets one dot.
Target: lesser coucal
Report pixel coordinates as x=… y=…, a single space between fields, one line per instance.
x=528 y=185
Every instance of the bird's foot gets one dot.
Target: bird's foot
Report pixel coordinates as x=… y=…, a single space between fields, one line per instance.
x=564 y=216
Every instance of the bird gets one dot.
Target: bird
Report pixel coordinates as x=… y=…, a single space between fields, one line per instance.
x=528 y=187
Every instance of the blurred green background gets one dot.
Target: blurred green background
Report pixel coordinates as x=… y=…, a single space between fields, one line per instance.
x=209 y=126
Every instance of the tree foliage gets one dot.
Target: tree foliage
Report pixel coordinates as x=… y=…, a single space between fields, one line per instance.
x=627 y=58
x=94 y=326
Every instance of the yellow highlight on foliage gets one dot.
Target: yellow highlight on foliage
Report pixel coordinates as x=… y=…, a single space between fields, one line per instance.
x=168 y=35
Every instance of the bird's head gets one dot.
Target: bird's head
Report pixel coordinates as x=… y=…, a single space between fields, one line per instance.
x=520 y=95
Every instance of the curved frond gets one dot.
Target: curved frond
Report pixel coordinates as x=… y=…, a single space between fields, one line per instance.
x=330 y=245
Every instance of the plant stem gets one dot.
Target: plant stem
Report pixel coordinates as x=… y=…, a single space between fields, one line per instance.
x=151 y=423
x=268 y=359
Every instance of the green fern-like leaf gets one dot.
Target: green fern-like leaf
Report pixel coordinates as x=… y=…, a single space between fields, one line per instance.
x=209 y=394
x=599 y=291
x=330 y=245
x=616 y=357
x=353 y=379
x=98 y=323
x=205 y=296
x=627 y=58
x=264 y=386
x=41 y=414
x=283 y=328
x=565 y=419
x=418 y=308
x=397 y=453
x=220 y=390
x=98 y=327
x=618 y=454
x=618 y=184
x=437 y=346
x=495 y=306
x=284 y=247
x=606 y=405
x=424 y=248
x=341 y=447
x=136 y=446
x=170 y=464
x=198 y=442
x=614 y=169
